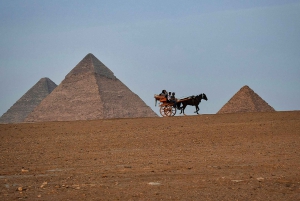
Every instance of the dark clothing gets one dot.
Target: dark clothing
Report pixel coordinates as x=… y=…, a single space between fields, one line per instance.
x=173 y=100
x=164 y=93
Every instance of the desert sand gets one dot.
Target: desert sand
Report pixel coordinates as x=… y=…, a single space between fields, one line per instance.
x=245 y=156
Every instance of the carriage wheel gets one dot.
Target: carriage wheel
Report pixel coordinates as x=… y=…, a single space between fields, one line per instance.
x=167 y=111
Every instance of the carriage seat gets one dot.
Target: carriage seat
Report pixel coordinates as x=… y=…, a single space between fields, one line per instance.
x=160 y=98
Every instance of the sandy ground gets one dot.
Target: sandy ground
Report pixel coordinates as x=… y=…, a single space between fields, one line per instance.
x=254 y=156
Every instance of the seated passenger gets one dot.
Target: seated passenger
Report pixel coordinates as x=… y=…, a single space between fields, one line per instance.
x=169 y=97
x=173 y=99
x=164 y=93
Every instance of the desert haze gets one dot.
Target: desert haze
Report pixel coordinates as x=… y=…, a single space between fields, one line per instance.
x=242 y=156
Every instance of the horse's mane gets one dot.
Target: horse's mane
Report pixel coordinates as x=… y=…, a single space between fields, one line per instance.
x=190 y=97
x=193 y=96
x=187 y=97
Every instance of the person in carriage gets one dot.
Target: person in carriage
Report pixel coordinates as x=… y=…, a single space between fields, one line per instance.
x=173 y=99
x=169 y=97
x=164 y=93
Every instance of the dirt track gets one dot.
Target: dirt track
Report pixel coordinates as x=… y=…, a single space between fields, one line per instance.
x=254 y=156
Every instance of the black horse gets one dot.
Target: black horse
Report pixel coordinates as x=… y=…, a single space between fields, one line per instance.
x=192 y=100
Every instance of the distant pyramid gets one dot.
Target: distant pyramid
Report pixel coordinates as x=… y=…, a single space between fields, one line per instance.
x=25 y=105
x=90 y=91
x=246 y=100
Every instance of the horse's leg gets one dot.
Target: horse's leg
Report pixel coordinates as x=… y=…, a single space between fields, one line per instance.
x=197 y=109
x=180 y=108
x=178 y=105
x=183 y=107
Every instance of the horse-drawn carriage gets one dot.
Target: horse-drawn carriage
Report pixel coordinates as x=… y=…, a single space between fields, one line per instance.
x=168 y=109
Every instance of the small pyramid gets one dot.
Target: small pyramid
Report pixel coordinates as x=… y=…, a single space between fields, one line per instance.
x=25 y=105
x=90 y=91
x=246 y=100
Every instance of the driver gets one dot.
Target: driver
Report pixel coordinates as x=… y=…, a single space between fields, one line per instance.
x=173 y=99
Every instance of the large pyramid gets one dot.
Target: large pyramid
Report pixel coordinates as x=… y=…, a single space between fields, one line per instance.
x=25 y=105
x=246 y=100
x=90 y=91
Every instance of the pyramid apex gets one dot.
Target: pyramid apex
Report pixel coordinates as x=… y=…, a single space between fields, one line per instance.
x=44 y=79
x=89 y=55
x=90 y=64
x=246 y=87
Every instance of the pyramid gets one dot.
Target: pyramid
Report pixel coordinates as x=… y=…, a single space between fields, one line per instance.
x=25 y=105
x=90 y=91
x=246 y=100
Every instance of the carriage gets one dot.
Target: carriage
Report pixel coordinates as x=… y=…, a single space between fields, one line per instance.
x=168 y=109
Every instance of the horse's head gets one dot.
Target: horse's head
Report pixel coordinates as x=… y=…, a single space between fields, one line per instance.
x=203 y=96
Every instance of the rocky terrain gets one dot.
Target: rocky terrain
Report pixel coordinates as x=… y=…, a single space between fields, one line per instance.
x=250 y=156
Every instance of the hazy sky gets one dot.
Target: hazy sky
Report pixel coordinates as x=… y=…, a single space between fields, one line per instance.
x=186 y=46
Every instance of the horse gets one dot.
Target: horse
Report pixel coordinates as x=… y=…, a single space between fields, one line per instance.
x=192 y=100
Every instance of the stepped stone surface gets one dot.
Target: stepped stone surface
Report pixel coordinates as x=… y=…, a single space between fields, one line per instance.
x=246 y=100
x=25 y=105
x=90 y=91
